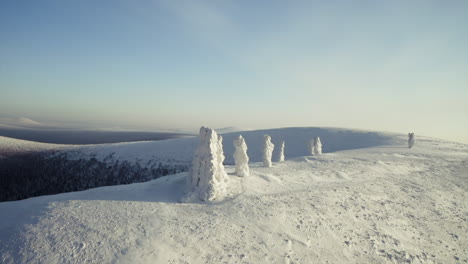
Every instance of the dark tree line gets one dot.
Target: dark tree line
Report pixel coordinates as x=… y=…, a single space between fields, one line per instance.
x=27 y=175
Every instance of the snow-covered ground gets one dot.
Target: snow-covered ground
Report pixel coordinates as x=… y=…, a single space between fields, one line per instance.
x=377 y=202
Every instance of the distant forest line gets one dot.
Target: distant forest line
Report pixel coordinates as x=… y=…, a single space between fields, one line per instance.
x=29 y=174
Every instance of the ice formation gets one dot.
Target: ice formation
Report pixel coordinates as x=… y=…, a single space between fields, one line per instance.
x=241 y=158
x=267 y=150
x=207 y=176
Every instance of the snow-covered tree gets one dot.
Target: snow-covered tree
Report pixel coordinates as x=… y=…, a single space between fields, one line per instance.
x=267 y=150
x=241 y=158
x=311 y=147
x=207 y=176
x=221 y=158
x=317 y=146
x=410 y=140
x=281 y=152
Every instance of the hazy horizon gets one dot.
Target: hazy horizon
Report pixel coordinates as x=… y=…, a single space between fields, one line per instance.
x=394 y=66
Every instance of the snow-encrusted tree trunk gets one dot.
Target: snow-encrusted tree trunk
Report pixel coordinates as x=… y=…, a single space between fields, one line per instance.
x=281 y=152
x=317 y=146
x=267 y=150
x=241 y=158
x=311 y=147
x=221 y=158
x=410 y=140
x=207 y=176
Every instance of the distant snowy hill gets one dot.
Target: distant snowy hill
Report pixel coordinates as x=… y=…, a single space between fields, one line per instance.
x=225 y=130
x=297 y=138
x=12 y=145
x=367 y=199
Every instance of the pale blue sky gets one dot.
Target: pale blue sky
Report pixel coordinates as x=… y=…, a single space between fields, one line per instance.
x=147 y=65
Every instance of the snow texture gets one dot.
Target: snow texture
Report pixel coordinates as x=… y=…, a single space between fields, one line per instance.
x=317 y=146
x=410 y=140
x=267 y=150
x=207 y=176
x=281 y=152
x=241 y=159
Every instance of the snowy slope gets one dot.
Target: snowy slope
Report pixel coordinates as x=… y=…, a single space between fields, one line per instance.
x=8 y=145
x=375 y=204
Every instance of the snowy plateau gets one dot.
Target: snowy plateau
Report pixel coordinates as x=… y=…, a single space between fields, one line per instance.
x=367 y=199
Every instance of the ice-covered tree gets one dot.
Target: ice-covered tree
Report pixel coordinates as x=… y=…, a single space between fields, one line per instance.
x=207 y=176
x=281 y=152
x=410 y=140
x=221 y=158
x=241 y=158
x=267 y=150
x=317 y=146
x=311 y=147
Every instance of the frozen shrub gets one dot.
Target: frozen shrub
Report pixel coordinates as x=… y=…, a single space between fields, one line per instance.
x=241 y=158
